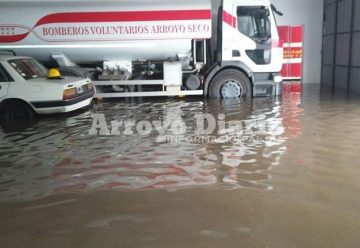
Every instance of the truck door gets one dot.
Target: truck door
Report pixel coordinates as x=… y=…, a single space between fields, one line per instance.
x=253 y=22
x=255 y=40
x=5 y=80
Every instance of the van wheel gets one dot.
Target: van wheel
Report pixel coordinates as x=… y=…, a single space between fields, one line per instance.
x=230 y=83
x=17 y=111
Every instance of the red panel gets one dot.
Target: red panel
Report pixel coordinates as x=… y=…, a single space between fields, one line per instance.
x=284 y=33
x=295 y=70
x=293 y=53
x=285 y=70
x=297 y=34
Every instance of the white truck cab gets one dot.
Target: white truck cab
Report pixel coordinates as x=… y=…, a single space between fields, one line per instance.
x=250 y=35
x=25 y=89
x=249 y=51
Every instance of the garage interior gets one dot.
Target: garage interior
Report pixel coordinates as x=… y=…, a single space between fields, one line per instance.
x=340 y=62
x=288 y=178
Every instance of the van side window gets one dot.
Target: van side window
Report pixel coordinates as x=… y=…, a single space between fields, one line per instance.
x=4 y=75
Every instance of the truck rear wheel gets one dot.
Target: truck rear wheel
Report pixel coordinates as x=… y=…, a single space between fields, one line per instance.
x=17 y=110
x=230 y=83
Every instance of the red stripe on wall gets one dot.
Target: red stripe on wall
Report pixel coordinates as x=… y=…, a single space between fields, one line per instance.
x=229 y=19
x=129 y=16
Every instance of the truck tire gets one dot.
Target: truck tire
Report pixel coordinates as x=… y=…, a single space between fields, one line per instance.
x=230 y=83
x=16 y=110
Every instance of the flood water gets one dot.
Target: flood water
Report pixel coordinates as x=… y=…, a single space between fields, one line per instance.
x=289 y=178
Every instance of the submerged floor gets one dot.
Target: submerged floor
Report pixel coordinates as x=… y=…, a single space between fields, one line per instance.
x=289 y=178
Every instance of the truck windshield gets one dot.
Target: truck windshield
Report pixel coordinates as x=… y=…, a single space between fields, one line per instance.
x=253 y=21
x=28 y=68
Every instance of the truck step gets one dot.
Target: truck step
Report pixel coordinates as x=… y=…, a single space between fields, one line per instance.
x=150 y=94
x=265 y=82
x=129 y=82
x=265 y=89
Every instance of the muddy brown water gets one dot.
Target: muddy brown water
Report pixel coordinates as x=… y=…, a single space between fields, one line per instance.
x=294 y=183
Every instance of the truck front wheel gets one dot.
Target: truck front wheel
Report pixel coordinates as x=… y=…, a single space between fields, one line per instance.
x=230 y=83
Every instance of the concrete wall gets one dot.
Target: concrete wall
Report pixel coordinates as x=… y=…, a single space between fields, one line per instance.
x=310 y=14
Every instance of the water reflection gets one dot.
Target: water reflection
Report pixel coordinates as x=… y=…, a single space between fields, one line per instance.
x=14 y=125
x=57 y=156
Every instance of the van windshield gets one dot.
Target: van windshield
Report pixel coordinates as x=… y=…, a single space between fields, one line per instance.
x=253 y=21
x=28 y=68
